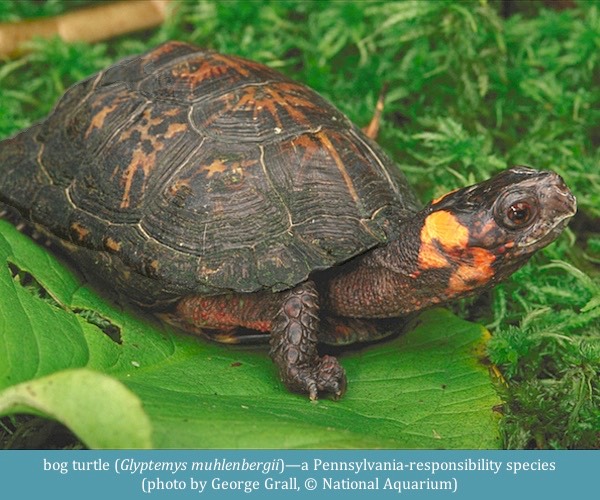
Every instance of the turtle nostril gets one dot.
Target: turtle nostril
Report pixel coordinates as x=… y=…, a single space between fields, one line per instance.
x=562 y=201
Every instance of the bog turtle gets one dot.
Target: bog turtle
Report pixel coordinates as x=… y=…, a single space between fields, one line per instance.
x=231 y=199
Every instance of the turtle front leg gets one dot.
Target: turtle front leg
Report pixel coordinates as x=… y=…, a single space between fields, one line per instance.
x=291 y=317
x=294 y=346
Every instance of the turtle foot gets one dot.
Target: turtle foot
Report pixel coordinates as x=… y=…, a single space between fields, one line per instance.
x=294 y=338
x=326 y=377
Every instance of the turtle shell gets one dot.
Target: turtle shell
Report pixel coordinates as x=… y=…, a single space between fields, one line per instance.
x=186 y=171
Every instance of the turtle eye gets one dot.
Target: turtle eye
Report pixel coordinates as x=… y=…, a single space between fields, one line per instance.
x=518 y=214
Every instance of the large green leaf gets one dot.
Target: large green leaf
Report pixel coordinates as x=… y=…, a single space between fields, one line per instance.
x=69 y=355
x=70 y=395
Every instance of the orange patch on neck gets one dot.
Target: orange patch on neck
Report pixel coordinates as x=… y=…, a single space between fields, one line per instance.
x=445 y=244
x=475 y=272
x=441 y=234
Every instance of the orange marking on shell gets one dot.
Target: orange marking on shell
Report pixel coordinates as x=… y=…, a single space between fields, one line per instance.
x=141 y=161
x=102 y=110
x=112 y=245
x=308 y=144
x=240 y=66
x=79 y=231
x=293 y=98
x=216 y=167
x=211 y=67
x=290 y=98
x=256 y=99
x=98 y=119
x=174 y=129
x=324 y=139
x=179 y=187
x=143 y=127
x=207 y=70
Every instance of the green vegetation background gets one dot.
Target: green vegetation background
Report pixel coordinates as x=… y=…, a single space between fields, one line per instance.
x=470 y=92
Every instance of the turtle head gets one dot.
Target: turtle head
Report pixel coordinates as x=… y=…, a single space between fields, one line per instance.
x=483 y=233
x=458 y=245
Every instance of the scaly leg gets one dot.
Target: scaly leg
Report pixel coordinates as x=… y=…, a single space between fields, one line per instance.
x=291 y=317
x=294 y=346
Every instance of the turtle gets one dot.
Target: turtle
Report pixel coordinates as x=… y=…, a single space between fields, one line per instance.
x=237 y=203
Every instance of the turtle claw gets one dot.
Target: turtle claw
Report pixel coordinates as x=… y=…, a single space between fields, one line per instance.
x=331 y=377
x=326 y=377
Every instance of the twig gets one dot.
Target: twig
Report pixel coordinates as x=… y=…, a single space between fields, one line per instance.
x=89 y=25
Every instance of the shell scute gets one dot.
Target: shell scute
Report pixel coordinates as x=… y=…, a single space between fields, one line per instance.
x=200 y=75
x=131 y=159
x=273 y=112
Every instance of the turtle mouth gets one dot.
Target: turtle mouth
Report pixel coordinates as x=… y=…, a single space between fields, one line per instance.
x=550 y=233
x=564 y=200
